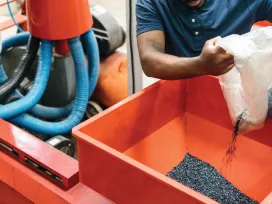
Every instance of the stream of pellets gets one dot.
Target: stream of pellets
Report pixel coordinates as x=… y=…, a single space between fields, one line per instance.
x=230 y=154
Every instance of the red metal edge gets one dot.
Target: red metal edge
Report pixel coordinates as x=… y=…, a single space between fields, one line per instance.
x=163 y=92
x=30 y=151
x=39 y=190
x=118 y=105
x=127 y=100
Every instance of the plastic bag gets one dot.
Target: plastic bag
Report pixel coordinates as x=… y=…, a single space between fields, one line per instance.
x=246 y=86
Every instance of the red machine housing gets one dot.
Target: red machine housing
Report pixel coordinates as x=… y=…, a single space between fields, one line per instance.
x=58 y=19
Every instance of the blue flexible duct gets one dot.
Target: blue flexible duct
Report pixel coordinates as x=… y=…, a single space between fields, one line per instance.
x=18 y=40
x=52 y=113
x=14 y=41
x=46 y=112
x=80 y=104
x=93 y=67
x=34 y=95
x=93 y=59
x=3 y=76
x=18 y=74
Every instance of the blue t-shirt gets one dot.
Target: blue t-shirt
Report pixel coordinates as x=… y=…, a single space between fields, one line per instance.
x=186 y=30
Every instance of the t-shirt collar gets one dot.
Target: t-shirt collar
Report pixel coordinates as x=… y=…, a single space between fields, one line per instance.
x=206 y=7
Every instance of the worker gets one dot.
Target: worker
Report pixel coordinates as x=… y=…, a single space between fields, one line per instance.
x=177 y=39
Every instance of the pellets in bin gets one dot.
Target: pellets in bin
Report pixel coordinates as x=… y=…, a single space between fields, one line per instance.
x=205 y=179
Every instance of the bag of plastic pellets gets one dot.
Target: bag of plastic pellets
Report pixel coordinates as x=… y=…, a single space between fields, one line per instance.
x=246 y=86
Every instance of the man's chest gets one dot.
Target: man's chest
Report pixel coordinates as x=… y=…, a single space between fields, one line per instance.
x=194 y=27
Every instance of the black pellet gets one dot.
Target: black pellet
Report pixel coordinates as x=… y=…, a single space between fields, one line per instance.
x=205 y=179
x=269 y=113
x=230 y=154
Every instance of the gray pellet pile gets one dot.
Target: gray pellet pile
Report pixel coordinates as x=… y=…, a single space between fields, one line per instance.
x=205 y=179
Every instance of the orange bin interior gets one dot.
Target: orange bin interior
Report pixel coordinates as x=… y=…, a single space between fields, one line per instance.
x=126 y=151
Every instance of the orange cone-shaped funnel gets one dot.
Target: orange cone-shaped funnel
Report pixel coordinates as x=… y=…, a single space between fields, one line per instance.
x=58 y=19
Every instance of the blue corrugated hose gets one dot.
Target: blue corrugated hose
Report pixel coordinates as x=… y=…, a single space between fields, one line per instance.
x=93 y=67
x=34 y=95
x=17 y=40
x=80 y=104
x=93 y=59
x=52 y=113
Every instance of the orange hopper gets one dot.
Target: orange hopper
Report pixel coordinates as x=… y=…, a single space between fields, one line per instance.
x=126 y=151
x=58 y=20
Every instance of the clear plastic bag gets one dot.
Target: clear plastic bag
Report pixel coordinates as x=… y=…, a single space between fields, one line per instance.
x=246 y=86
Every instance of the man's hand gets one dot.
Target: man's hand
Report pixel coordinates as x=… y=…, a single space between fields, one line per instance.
x=155 y=63
x=214 y=60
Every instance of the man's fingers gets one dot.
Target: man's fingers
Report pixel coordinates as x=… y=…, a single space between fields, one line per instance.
x=215 y=40
x=220 y=50
x=230 y=67
x=227 y=68
x=212 y=42
x=227 y=56
x=229 y=61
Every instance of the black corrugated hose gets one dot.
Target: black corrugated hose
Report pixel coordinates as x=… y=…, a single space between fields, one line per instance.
x=20 y=72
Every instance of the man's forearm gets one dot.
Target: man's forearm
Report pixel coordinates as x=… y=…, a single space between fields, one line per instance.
x=168 y=67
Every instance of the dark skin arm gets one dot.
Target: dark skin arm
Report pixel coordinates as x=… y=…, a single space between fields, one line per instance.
x=155 y=63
